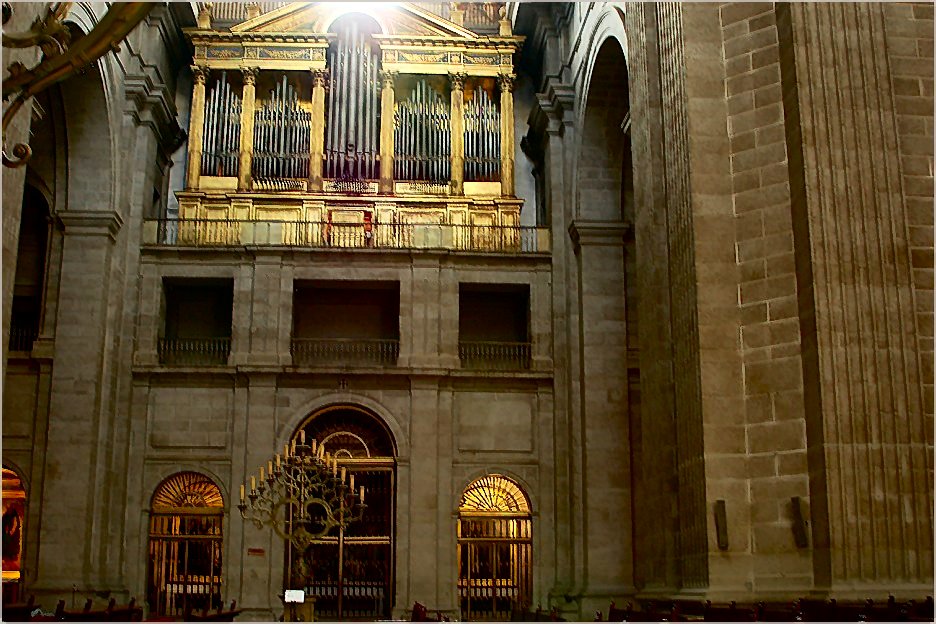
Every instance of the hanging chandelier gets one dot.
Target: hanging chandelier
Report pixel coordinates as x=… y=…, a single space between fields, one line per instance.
x=302 y=494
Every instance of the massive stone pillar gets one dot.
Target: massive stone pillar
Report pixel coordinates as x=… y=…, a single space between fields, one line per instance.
x=870 y=448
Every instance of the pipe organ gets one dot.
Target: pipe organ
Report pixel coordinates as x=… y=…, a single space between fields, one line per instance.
x=282 y=134
x=422 y=136
x=394 y=114
x=352 y=134
x=482 y=138
x=222 y=130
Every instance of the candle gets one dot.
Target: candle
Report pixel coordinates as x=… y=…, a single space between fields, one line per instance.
x=344 y=473
x=321 y=451
x=253 y=484
x=286 y=451
x=293 y=448
x=313 y=445
x=242 y=492
x=278 y=462
x=270 y=467
x=352 y=483
x=334 y=466
x=261 y=474
x=302 y=436
x=362 y=494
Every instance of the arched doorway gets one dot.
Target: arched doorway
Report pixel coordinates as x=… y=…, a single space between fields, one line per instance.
x=349 y=572
x=495 y=547
x=14 y=518
x=185 y=545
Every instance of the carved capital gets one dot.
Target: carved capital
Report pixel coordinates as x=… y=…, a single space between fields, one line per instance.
x=458 y=81
x=506 y=82
x=387 y=79
x=319 y=77
x=250 y=75
x=200 y=73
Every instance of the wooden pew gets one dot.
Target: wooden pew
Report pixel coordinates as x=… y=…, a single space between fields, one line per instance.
x=124 y=613
x=19 y=611
x=420 y=613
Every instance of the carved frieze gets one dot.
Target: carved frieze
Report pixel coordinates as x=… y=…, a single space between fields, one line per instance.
x=225 y=52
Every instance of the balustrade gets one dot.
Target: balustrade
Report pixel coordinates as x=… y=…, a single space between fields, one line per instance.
x=311 y=352
x=194 y=351
x=494 y=355
x=363 y=235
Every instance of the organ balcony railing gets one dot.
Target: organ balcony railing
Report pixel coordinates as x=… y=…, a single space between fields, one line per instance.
x=194 y=351
x=485 y=355
x=328 y=235
x=344 y=351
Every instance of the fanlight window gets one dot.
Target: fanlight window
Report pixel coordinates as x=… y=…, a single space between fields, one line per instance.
x=187 y=489
x=494 y=493
x=185 y=545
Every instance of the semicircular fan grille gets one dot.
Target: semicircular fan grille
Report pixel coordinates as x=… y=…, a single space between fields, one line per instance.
x=187 y=489
x=494 y=493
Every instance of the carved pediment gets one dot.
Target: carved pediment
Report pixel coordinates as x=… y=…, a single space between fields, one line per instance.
x=398 y=19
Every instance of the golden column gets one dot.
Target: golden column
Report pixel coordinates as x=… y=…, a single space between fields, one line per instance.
x=458 y=133
x=386 y=131
x=506 y=82
x=196 y=126
x=248 y=104
x=317 y=144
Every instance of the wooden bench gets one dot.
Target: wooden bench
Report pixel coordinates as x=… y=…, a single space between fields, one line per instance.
x=19 y=611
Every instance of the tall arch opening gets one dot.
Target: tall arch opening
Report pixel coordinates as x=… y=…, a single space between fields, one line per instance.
x=186 y=541
x=350 y=571
x=29 y=283
x=495 y=548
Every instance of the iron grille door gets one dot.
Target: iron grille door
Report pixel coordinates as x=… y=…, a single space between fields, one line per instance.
x=350 y=574
x=184 y=562
x=494 y=565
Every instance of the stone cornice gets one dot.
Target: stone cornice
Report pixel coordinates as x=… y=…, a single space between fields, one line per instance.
x=598 y=233
x=553 y=106
x=153 y=105
x=90 y=223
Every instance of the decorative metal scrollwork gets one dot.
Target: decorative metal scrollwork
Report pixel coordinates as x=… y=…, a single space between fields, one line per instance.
x=60 y=58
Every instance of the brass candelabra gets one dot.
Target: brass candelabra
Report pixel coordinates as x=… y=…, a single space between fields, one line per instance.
x=302 y=494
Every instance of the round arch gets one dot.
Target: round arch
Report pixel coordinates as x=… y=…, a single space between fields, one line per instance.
x=494 y=549
x=186 y=544
x=350 y=571
x=372 y=407
x=475 y=475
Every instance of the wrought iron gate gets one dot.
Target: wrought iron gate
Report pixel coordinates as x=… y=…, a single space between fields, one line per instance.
x=185 y=546
x=351 y=573
x=494 y=550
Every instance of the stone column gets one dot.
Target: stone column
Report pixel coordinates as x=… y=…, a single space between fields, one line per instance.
x=605 y=469
x=248 y=103
x=506 y=82
x=196 y=126
x=386 y=132
x=458 y=133
x=317 y=145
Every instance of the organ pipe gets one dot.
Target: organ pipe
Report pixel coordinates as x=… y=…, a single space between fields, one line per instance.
x=282 y=135
x=482 y=138
x=422 y=131
x=352 y=141
x=221 y=142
